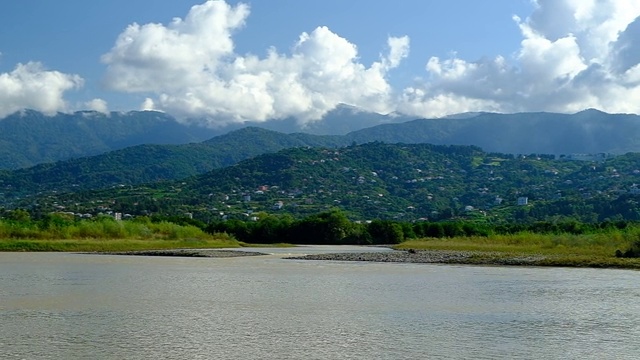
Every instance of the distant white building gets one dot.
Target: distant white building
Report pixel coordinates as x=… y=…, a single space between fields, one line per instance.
x=523 y=200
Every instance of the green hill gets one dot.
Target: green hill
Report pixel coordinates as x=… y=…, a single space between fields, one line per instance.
x=28 y=138
x=150 y=163
x=385 y=181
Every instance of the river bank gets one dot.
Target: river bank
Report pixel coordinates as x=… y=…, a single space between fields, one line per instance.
x=460 y=257
x=204 y=253
x=477 y=258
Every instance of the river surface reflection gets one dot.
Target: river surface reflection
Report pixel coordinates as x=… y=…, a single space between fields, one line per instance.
x=76 y=306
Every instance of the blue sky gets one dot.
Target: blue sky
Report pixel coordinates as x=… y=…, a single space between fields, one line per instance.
x=257 y=60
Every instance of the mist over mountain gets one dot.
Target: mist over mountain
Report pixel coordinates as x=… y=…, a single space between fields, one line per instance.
x=339 y=121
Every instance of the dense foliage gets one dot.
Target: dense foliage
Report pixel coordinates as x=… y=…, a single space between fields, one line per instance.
x=19 y=231
x=334 y=227
x=151 y=163
x=18 y=224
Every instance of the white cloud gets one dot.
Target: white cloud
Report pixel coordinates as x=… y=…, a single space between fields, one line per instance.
x=189 y=68
x=148 y=105
x=31 y=86
x=98 y=105
x=574 y=54
x=398 y=50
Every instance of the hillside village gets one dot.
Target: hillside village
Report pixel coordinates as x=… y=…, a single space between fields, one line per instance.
x=376 y=180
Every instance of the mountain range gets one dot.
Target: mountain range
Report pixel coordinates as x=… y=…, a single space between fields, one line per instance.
x=29 y=138
x=590 y=131
x=587 y=132
x=151 y=163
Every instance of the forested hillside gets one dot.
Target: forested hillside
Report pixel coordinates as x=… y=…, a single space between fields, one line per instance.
x=28 y=138
x=385 y=181
x=150 y=163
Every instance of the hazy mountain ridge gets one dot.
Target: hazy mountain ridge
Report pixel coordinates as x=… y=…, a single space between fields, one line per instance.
x=589 y=131
x=29 y=137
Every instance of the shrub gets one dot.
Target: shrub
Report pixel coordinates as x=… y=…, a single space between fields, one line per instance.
x=632 y=252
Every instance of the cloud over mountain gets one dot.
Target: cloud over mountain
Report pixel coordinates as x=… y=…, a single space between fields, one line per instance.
x=189 y=68
x=574 y=54
x=30 y=85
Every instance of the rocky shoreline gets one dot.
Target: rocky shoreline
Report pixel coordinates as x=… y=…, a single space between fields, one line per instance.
x=430 y=257
x=204 y=253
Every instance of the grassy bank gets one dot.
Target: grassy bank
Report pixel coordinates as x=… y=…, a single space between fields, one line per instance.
x=592 y=250
x=101 y=245
x=58 y=233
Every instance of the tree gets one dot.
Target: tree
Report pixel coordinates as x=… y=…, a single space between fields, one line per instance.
x=385 y=232
x=20 y=215
x=325 y=228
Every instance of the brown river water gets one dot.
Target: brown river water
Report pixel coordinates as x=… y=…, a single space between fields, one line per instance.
x=79 y=306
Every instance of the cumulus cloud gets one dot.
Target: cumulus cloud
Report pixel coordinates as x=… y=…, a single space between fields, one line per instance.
x=31 y=86
x=98 y=105
x=189 y=68
x=148 y=105
x=574 y=54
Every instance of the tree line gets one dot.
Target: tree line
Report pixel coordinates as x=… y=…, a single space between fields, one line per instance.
x=327 y=228
x=334 y=228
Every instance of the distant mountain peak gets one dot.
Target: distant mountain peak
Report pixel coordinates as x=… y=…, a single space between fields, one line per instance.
x=466 y=115
x=591 y=111
x=346 y=110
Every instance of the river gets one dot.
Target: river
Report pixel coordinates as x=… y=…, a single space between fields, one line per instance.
x=78 y=306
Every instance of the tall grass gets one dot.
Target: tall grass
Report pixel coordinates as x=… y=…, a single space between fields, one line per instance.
x=99 y=245
x=105 y=234
x=598 y=244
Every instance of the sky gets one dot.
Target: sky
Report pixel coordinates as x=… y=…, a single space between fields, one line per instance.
x=235 y=61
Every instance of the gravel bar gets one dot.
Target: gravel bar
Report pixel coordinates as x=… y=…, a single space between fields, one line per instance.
x=208 y=253
x=428 y=257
